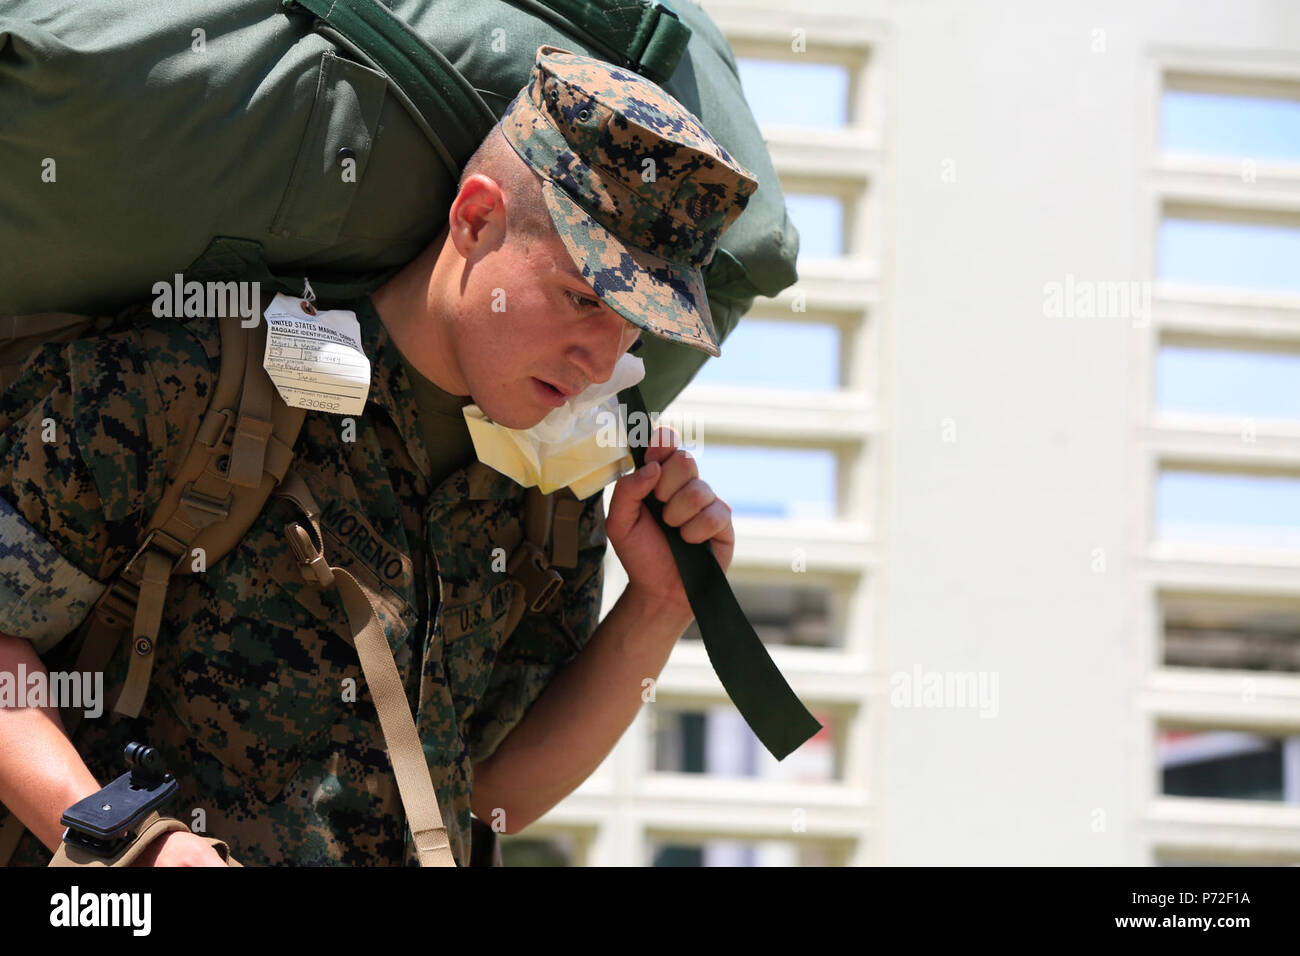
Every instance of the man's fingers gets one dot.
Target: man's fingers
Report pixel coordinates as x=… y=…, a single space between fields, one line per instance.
x=690 y=499
x=629 y=492
x=711 y=524
x=663 y=442
x=680 y=469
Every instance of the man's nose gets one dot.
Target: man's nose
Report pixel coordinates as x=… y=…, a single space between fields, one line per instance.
x=597 y=354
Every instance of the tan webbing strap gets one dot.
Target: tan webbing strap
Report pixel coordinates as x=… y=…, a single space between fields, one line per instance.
x=254 y=426
x=537 y=516
x=101 y=640
x=202 y=505
x=432 y=845
x=538 y=581
x=564 y=530
x=548 y=519
x=153 y=828
x=414 y=784
x=148 y=619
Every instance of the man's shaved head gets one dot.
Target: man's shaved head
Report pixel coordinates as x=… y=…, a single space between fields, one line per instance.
x=496 y=307
x=526 y=214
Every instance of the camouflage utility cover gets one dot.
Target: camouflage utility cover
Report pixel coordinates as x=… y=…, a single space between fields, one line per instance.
x=247 y=701
x=638 y=190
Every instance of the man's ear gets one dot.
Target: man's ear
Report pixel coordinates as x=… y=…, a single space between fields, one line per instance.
x=476 y=222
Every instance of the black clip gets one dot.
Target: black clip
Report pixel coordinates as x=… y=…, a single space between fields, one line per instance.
x=105 y=822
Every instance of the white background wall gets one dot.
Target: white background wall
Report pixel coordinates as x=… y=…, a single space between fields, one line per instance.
x=992 y=536
x=995 y=512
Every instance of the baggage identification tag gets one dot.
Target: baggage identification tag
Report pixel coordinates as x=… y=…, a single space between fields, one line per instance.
x=315 y=358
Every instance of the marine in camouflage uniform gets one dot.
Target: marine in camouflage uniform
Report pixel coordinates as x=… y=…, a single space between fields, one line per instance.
x=247 y=703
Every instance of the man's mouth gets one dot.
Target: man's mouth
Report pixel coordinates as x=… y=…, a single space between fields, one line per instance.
x=549 y=393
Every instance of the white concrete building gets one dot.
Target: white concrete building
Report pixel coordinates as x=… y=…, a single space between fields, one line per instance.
x=1025 y=650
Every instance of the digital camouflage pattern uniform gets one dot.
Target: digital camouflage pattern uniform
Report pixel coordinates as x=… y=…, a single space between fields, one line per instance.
x=247 y=697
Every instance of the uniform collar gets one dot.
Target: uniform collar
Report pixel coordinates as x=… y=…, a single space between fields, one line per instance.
x=475 y=482
x=389 y=387
x=391 y=390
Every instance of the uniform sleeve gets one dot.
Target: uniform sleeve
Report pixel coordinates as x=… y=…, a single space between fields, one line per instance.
x=87 y=433
x=542 y=643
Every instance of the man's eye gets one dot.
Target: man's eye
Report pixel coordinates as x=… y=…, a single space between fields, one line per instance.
x=581 y=301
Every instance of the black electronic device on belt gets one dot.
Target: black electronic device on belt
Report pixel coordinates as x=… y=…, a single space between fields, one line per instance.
x=104 y=822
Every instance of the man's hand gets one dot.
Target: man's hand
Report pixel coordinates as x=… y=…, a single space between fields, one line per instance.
x=179 y=848
x=689 y=505
x=591 y=702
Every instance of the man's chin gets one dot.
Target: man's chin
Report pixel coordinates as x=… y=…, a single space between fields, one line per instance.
x=520 y=420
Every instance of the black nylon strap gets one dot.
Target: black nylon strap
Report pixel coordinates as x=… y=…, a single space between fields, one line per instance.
x=646 y=37
x=777 y=717
x=228 y=258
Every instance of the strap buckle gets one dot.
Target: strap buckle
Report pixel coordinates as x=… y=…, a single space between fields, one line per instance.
x=660 y=35
x=160 y=540
x=540 y=581
x=210 y=508
x=216 y=425
x=311 y=560
x=116 y=607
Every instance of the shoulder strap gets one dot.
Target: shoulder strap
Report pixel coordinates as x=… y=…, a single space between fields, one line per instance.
x=247 y=433
x=647 y=37
x=410 y=766
x=552 y=520
x=549 y=520
x=210 y=503
x=233 y=463
x=538 y=510
x=564 y=529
